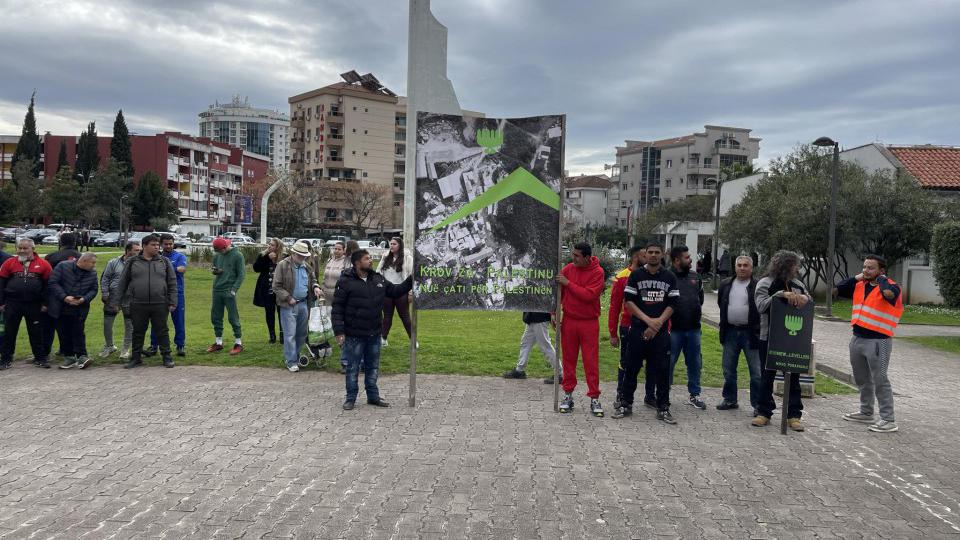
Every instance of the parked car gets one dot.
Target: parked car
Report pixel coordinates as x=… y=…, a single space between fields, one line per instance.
x=52 y=240
x=109 y=239
x=204 y=240
x=180 y=241
x=315 y=243
x=288 y=241
x=10 y=234
x=37 y=235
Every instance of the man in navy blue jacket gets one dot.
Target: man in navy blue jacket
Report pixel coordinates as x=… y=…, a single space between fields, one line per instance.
x=72 y=286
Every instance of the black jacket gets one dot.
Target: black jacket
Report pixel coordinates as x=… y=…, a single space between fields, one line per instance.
x=533 y=317
x=65 y=254
x=358 y=304
x=263 y=292
x=4 y=256
x=687 y=311
x=145 y=281
x=68 y=279
x=723 y=299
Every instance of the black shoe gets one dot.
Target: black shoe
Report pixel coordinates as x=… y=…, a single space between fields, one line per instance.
x=348 y=405
x=515 y=374
x=650 y=402
x=43 y=364
x=378 y=403
x=4 y=365
x=168 y=362
x=549 y=380
x=133 y=363
x=273 y=339
x=149 y=351
x=727 y=405
x=621 y=412
x=695 y=401
x=666 y=417
x=181 y=352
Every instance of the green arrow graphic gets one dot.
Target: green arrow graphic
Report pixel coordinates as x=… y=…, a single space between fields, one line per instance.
x=519 y=181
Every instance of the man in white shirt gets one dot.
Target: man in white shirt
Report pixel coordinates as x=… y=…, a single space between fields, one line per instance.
x=739 y=332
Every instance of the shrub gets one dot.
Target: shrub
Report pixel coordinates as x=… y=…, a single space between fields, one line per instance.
x=250 y=253
x=201 y=255
x=945 y=249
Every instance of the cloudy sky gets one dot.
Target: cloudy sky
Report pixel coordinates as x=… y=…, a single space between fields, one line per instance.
x=858 y=71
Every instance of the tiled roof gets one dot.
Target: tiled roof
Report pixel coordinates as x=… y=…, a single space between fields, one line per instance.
x=592 y=181
x=935 y=167
x=676 y=141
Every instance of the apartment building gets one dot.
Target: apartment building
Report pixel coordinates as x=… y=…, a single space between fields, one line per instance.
x=350 y=131
x=654 y=172
x=202 y=175
x=8 y=145
x=259 y=131
x=586 y=199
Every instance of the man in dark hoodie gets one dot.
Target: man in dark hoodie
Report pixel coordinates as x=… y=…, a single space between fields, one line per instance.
x=151 y=283
x=357 y=318
x=73 y=285
x=23 y=295
x=685 y=323
x=582 y=284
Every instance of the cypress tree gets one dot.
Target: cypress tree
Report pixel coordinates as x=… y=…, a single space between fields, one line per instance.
x=120 y=145
x=88 y=154
x=28 y=147
x=62 y=158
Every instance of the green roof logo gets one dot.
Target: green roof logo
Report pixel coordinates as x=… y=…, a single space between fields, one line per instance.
x=519 y=181
x=490 y=139
x=793 y=324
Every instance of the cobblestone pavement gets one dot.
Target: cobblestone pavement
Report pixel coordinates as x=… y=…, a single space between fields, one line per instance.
x=246 y=452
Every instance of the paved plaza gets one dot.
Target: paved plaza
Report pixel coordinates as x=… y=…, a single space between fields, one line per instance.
x=246 y=453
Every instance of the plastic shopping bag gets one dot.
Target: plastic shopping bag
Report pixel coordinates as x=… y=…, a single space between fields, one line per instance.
x=319 y=329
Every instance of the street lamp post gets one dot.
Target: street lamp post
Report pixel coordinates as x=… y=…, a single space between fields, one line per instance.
x=123 y=237
x=832 y=239
x=716 y=238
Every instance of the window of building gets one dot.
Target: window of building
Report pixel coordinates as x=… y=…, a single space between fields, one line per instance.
x=364 y=132
x=669 y=182
x=366 y=109
x=308 y=134
x=364 y=174
x=669 y=163
x=623 y=186
x=364 y=153
x=354 y=108
x=354 y=152
x=331 y=214
x=626 y=168
x=624 y=204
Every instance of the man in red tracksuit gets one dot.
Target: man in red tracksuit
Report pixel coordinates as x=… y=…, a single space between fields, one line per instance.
x=618 y=319
x=582 y=285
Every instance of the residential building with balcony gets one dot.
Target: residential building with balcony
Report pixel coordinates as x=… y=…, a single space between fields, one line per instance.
x=8 y=145
x=350 y=131
x=586 y=200
x=260 y=131
x=654 y=172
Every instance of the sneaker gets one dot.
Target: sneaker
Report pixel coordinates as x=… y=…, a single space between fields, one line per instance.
x=168 y=362
x=616 y=403
x=69 y=363
x=134 y=362
x=125 y=355
x=4 y=365
x=884 y=427
x=379 y=402
x=107 y=351
x=384 y=342
x=859 y=417
x=181 y=352
x=666 y=417
x=621 y=412
x=596 y=408
x=695 y=401
x=45 y=364
x=294 y=368
x=348 y=405
x=237 y=349
x=549 y=380
x=760 y=421
x=83 y=361
x=566 y=404
x=795 y=424
x=149 y=351
x=515 y=374
x=727 y=405
x=418 y=344
x=216 y=347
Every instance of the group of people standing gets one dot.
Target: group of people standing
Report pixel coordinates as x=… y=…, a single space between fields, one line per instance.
x=655 y=315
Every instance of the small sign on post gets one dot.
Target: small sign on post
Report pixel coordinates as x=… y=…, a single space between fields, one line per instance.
x=243 y=210
x=790 y=348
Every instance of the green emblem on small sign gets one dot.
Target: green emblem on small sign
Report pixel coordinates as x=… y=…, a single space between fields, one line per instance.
x=793 y=323
x=490 y=139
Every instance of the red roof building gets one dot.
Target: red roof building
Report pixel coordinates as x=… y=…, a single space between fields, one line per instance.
x=936 y=168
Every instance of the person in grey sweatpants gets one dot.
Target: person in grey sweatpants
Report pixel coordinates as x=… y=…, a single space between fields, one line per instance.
x=535 y=333
x=877 y=306
x=109 y=283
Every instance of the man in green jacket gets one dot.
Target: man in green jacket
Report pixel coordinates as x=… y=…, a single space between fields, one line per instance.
x=229 y=268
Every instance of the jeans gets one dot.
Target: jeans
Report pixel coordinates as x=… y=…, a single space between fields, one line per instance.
x=688 y=342
x=737 y=340
x=366 y=350
x=293 y=324
x=765 y=403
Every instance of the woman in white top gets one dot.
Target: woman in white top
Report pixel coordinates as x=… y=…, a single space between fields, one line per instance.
x=331 y=273
x=395 y=266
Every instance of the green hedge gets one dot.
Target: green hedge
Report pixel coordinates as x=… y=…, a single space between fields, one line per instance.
x=945 y=249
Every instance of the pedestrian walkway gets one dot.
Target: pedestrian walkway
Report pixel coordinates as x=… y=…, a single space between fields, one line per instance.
x=210 y=452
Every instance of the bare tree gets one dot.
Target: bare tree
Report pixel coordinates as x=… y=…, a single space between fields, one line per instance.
x=290 y=203
x=367 y=202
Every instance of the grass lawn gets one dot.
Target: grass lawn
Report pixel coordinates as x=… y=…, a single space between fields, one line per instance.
x=452 y=342
x=912 y=314
x=943 y=343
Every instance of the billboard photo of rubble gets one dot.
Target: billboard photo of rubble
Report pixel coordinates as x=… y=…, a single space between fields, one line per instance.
x=488 y=212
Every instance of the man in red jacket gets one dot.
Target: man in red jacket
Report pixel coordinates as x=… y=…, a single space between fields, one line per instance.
x=23 y=295
x=582 y=285
x=618 y=320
